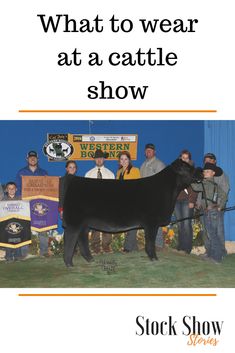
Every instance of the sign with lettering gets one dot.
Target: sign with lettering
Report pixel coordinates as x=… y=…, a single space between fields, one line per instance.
x=43 y=194
x=60 y=147
x=15 y=229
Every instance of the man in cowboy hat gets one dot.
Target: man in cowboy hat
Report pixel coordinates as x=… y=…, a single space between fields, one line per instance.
x=223 y=182
x=100 y=241
x=212 y=203
x=99 y=171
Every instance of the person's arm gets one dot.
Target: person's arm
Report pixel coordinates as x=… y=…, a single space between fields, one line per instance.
x=134 y=173
x=222 y=198
x=158 y=166
x=137 y=173
x=225 y=184
x=61 y=192
x=112 y=176
x=192 y=197
x=142 y=170
x=1 y=192
x=61 y=197
x=118 y=173
x=88 y=174
x=197 y=187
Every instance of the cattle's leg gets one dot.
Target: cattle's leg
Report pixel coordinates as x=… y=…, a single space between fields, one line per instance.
x=70 y=240
x=83 y=243
x=150 y=237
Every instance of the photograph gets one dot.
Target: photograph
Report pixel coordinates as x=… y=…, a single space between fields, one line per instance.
x=117 y=204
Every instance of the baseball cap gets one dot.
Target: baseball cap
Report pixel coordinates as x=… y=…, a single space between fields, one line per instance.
x=32 y=154
x=210 y=155
x=150 y=145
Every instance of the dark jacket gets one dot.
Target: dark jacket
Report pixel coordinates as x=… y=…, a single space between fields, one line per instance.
x=212 y=194
x=190 y=195
x=63 y=186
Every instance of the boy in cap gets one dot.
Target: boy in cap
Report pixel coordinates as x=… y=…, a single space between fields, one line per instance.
x=212 y=202
x=12 y=254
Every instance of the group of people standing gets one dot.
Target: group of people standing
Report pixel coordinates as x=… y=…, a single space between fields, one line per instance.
x=209 y=196
x=126 y=171
x=13 y=191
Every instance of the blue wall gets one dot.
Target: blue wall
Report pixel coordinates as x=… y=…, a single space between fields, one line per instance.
x=220 y=139
x=170 y=137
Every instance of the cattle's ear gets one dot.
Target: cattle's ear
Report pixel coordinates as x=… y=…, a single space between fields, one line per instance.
x=198 y=174
x=176 y=164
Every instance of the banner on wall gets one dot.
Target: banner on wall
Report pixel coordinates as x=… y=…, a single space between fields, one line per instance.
x=61 y=147
x=15 y=230
x=43 y=194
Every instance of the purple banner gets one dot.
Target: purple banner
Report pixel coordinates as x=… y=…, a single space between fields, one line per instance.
x=44 y=214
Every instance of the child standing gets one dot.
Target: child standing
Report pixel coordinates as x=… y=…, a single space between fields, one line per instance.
x=213 y=201
x=12 y=254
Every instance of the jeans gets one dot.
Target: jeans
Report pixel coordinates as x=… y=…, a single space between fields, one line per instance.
x=159 y=238
x=13 y=254
x=43 y=243
x=24 y=250
x=221 y=235
x=130 y=242
x=185 y=230
x=213 y=220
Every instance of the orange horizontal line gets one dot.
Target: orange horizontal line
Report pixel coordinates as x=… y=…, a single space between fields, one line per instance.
x=112 y=295
x=118 y=111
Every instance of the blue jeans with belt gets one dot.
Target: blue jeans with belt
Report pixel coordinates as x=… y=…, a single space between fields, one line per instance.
x=213 y=220
x=185 y=230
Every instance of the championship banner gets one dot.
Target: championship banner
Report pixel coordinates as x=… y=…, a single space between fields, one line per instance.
x=43 y=194
x=60 y=147
x=15 y=230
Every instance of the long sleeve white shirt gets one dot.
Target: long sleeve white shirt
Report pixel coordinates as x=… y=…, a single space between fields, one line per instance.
x=106 y=173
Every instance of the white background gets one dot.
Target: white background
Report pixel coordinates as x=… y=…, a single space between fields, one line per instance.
x=107 y=324
x=203 y=78
x=31 y=79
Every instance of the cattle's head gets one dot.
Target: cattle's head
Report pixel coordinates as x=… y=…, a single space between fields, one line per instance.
x=186 y=173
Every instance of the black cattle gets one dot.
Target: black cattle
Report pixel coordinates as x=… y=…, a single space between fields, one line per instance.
x=120 y=205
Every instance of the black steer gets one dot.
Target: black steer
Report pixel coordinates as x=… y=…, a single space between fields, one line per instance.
x=120 y=205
